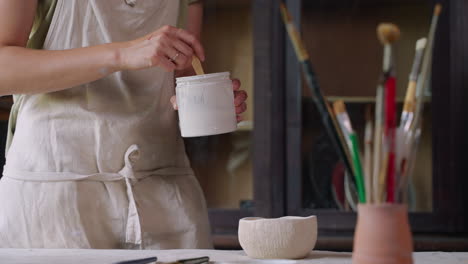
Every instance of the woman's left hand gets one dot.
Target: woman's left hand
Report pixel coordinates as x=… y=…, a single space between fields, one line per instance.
x=240 y=96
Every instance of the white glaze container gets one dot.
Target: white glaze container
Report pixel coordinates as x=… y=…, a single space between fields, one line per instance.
x=206 y=105
x=288 y=237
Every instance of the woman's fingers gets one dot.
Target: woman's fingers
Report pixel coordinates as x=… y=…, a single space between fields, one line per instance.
x=236 y=84
x=176 y=57
x=240 y=97
x=169 y=47
x=174 y=102
x=166 y=64
x=180 y=60
x=190 y=40
x=241 y=108
x=186 y=52
x=182 y=47
x=186 y=37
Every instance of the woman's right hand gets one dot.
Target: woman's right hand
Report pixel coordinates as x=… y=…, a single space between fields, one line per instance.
x=169 y=48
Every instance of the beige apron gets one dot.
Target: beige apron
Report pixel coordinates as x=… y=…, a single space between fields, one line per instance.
x=102 y=165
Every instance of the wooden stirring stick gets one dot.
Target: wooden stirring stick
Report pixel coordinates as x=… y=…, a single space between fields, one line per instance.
x=196 y=64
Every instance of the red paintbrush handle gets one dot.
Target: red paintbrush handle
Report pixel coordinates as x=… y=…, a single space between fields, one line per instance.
x=390 y=105
x=390 y=126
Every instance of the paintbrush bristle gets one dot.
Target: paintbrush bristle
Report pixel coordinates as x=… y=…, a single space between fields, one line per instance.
x=388 y=33
x=437 y=9
x=339 y=107
x=421 y=44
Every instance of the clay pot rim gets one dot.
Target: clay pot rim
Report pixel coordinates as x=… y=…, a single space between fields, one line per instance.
x=384 y=206
x=292 y=218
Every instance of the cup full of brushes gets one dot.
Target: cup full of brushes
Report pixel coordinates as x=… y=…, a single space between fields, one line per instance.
x=382 y=235
x=382 y=232
x=205 y=103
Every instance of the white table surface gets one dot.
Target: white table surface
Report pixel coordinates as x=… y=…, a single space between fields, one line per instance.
x=85 y=256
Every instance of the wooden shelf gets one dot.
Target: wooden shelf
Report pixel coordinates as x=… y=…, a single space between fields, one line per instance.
x=245 y=126
x=364 y=99
x=361 y=3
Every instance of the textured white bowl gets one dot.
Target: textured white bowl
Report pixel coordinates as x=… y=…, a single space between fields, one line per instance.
x=288 y=237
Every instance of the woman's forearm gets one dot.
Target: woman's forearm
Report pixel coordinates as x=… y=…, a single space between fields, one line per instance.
x=195 y=19
x=25 y=70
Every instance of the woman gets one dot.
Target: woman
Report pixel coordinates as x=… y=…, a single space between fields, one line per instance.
x=96 y=158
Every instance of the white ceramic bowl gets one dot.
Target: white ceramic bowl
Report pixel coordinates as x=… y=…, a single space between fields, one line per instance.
x=288 y=237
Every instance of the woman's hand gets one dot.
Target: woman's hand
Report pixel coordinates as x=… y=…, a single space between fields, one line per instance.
x=240 y=96
x=169 y=48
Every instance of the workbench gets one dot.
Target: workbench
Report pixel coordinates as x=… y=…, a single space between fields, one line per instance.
x=87 y=256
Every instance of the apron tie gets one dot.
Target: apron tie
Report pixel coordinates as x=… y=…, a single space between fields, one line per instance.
x=133 y=229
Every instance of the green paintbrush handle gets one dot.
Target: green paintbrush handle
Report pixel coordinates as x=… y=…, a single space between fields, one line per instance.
x=358 y=166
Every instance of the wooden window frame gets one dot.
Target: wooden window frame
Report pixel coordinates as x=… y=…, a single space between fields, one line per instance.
x=277 y=132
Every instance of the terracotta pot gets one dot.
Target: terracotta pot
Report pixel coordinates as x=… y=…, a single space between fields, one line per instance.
x=289 y=237
x=382 y=235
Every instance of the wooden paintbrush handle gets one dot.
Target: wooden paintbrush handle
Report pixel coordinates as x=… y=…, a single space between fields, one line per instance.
x=196 y=64
x=368 y=161
x=410 y=97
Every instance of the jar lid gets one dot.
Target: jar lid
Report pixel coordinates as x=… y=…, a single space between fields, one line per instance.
x=203 y=78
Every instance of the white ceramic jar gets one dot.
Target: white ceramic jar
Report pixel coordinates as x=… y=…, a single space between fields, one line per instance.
x=206 y=105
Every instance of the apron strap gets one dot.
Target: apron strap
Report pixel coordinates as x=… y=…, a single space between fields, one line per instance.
x=133 y=229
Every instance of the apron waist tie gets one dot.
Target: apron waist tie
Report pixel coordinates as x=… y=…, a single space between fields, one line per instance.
x=133 y=229
x=133 y=233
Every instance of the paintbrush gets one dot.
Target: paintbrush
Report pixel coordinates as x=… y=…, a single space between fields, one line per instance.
x=382 y=179
x=415 y=137
x=342 y=138
x=410 y=102
x=390 y=136
x=139 y=261
x=423 y=76
x=312 y=83
x=377 y=159
x=343 y=120
x=414 y=131
x=407 y=115
x=388 y=34
x=412 y=139
x=368 y=155
x=201 y=260
x=347 y=129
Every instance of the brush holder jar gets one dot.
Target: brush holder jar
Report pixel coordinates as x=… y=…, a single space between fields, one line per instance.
x=382 y=235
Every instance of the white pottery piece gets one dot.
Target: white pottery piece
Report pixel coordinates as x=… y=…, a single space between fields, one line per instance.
x=288 y=237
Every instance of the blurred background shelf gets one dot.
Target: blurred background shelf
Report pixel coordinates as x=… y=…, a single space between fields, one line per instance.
x=360 y=3
x=266 y=170
x=365 y=99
